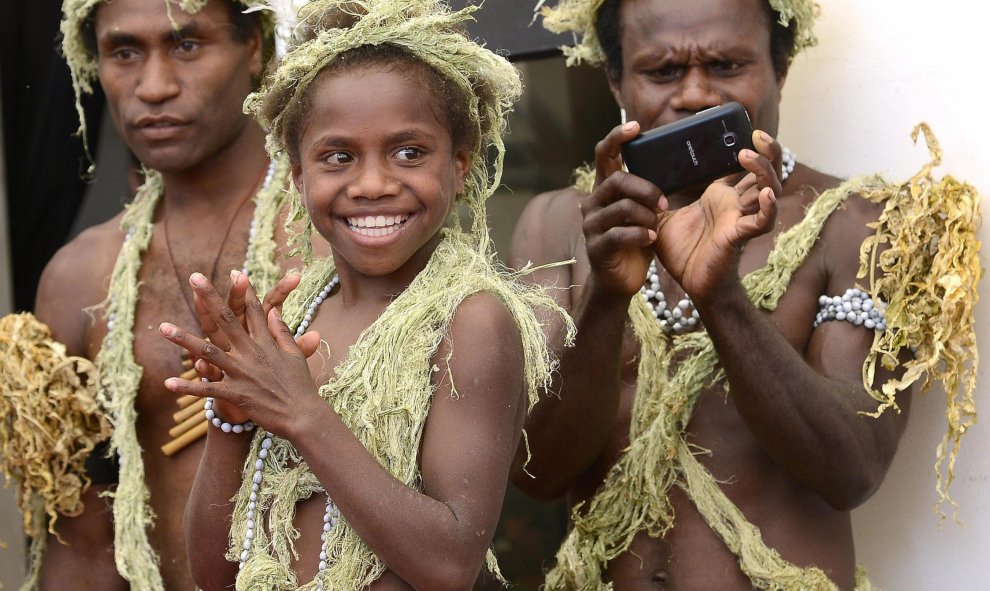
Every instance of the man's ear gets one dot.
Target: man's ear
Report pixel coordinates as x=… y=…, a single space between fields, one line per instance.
x=781 y=78
x=255 y=53
x=614 y=87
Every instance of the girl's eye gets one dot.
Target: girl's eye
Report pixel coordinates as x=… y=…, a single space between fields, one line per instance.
x=409 y=153
x=339 y=158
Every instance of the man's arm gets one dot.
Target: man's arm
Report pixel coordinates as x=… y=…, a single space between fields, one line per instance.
x=804 y=407
x=547 y=231
x=609 y=233
x=72 y=281
x=804 y=415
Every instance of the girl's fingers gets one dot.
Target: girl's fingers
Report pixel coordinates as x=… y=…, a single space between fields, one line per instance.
x=198 y=348
x=228 y=324
x=277 y=295
x=283 y=336
x=209 y=325
x=235 y=297
x=308 y=343
x=208 y=371
x=255 y=316
x=199 y=388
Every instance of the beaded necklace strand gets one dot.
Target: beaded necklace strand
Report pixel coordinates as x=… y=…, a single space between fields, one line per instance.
x=331 y=514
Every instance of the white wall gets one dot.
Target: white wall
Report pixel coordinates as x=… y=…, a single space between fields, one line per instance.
x=849 y=106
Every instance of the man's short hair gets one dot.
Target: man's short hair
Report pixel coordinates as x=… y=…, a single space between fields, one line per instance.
x=608 y=28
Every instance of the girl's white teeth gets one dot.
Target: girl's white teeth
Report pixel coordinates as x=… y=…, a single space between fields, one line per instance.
x=377 y=225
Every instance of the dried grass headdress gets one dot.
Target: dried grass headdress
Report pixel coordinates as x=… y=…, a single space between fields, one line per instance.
x=431 y=32
x=578 y=18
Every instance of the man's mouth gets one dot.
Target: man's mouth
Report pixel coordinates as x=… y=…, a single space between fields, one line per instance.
x=159 y=127
x=158 y=121
x=381 y=225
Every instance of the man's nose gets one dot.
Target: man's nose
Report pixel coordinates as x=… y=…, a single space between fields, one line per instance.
x=157 y=82
x=696 y=92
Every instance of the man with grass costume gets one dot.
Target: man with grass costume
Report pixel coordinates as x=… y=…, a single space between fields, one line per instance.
x=175 y=74
x=746 y=351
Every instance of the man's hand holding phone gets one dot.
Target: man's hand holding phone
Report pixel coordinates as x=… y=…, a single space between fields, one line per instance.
x=626 y=219
x=700 y=245
x=621 y=217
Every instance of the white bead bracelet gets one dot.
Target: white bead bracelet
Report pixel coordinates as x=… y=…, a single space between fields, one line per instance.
x=224 y=426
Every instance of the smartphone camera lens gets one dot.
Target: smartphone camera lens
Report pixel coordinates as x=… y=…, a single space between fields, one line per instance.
x=729 y=139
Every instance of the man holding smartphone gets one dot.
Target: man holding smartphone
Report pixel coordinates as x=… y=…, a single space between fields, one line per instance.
x=717 y=402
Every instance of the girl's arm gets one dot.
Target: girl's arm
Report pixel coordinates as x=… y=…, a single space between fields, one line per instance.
x=209 y=509
x=435 y=539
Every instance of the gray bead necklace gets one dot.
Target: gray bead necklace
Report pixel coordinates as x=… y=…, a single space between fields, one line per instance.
x=684 y=317
x=331 y=514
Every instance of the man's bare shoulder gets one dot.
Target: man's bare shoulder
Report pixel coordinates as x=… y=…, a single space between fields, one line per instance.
x=87 y=259
x=75 y=279
x=549 y=229
x=805 y=181
x=847 y=228
x=560 y=204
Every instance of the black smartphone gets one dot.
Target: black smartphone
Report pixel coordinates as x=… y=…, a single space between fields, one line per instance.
x=693 y=151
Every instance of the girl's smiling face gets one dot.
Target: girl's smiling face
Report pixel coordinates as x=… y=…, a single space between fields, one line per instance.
x=377 y=167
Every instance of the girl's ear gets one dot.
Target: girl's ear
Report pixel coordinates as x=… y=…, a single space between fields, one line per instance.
x=297 y=178
x=462 y=165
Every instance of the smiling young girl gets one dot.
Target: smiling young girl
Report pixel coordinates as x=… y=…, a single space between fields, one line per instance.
x=383 y=463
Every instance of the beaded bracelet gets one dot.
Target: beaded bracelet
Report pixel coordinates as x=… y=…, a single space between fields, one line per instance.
x=854 y=306
x=224 y=426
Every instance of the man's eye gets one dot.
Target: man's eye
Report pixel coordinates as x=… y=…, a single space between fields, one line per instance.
x=725 y=67
x=668 y=73
x=124 y=54
x=409 y=153
x=186 y=46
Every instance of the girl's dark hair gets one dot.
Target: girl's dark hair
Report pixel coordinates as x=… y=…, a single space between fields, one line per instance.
x=607 y=27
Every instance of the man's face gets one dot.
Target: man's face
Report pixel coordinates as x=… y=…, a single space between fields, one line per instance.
x=175 y=92
x=683 y=56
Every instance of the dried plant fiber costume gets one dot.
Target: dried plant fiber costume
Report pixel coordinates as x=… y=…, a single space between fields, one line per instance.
x=382 y=395
x=110 y=384
x=49 y=424
x=931 y=270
